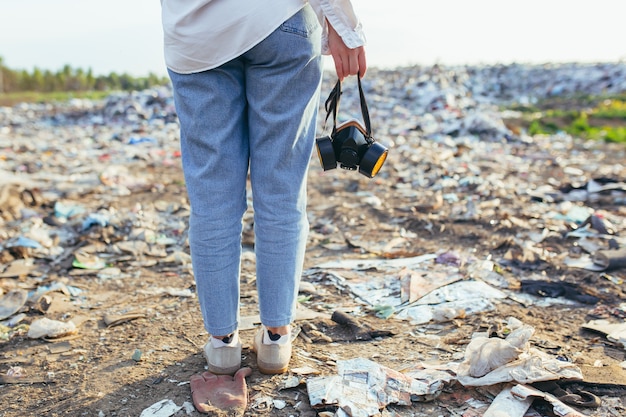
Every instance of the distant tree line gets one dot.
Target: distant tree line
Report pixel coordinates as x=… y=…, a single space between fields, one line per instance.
x=72 y=79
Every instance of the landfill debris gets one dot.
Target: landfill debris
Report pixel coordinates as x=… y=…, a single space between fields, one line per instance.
x=47 y=328
x=137 y=354
x=615 y=332
x=584 y=262
x=509 y=405
x=12 y=302
x=382 y=264
x=111 y=319
x=363 y=388
x=490 y=361
x=174 y=292
x=18 y=267
x=163 y=408
x=304 y=370
x=416 y=284
x=578 y=398
x=551 y=289
x=610 y=259
x=89 y=261
x=445 y=295
x=220 y=394
x=359 y=330
x=473 y=213
x=458 y=299
x=43 y=303
x=485 y=354
x=188 y=407
x=279 y=404
x=558 y=407
x=12 y=327
x=15 y=371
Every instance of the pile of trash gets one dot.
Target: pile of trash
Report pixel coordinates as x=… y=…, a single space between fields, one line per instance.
x=69 y=171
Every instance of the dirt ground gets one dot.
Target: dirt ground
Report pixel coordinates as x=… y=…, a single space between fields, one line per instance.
x=122 y=368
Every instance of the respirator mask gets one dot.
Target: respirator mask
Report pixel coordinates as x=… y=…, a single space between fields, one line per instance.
x=350 y=144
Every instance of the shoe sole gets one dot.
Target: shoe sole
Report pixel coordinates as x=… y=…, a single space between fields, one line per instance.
x=268 y=370
x=272 y=371
x=223 y=371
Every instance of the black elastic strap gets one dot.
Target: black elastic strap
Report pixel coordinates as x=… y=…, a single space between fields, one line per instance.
x=332 y=105
x=364 y=110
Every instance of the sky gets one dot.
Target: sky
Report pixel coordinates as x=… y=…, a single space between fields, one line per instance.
x=125 y=36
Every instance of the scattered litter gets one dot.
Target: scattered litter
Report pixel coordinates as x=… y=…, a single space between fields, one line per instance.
x=14 y=320
x=555 y=289
x=137 y=355
x=363 y=388
x=416 y=284
x=8 y=331
x=95 y=219
x=188 y=407
x=115 y=319
x=46 y=328
x=163 y=408
x=294 y=380
x=17 y=268
x=484 y=354
x=12 y=302
x=490 y=361
x=380 y=264
x=524 y=391
x=610 y=259
x=88 y=261
x=15 y=372
x=174 y=292
x=67 y=210
x=584 y=262
x=279 y=404
x=508 y=405
x=262 y=402
x=615 y=332
x=359 y=330
x=458 y=162
x=457 y=299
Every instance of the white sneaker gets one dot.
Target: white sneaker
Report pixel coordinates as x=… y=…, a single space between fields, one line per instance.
x=223 y=358
x=272 y=354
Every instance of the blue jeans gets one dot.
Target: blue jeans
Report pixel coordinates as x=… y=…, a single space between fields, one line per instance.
x=256 y=113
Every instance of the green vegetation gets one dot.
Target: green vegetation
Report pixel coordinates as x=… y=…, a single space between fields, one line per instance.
x=37 y=97
x=596 y=118
x=45 y=85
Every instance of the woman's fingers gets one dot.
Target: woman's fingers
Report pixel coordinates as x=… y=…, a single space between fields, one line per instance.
x=347 y=61
x=338 y=66
x=362 y=62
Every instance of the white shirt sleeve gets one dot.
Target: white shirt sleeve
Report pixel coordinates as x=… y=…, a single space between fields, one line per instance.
x=341 y=16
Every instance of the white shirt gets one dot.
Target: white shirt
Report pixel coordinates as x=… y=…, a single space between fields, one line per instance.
x=204 y=34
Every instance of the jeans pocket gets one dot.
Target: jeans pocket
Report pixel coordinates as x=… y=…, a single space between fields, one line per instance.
x=303 y=23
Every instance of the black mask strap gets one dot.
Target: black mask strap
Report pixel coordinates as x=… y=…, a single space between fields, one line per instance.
x=332 y=105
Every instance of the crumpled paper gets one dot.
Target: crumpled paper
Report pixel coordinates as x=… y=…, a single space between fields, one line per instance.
x=490 y=361
x=362 y=388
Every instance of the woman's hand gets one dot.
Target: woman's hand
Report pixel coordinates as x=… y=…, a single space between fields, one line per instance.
x=347 y=61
